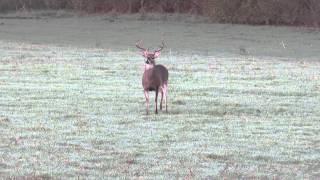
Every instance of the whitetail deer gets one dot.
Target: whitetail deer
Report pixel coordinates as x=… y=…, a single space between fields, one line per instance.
x=155 y=77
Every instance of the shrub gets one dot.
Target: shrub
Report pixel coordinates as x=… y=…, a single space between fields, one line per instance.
x=275 y=12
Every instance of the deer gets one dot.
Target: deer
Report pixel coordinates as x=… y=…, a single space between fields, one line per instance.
x=155 y=77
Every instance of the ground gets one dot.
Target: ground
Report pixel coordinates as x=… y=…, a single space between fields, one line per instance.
x=243 y=101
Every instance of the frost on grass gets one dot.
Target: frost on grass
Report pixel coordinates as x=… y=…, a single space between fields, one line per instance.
x=79 y=112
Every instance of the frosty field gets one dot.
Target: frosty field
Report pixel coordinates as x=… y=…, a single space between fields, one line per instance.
x=243 y=103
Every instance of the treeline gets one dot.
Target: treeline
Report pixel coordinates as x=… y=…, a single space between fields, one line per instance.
x=275 y=12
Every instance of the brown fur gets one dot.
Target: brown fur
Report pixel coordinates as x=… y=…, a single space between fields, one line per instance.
x=155 y=77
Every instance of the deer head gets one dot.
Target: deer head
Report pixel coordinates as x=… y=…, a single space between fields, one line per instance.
x=150 y=55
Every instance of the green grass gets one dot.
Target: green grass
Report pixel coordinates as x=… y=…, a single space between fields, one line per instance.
x=68 y=112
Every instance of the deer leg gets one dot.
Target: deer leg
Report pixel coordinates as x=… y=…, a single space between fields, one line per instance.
x=161 y=98
x=165 y=91
x=146 y=95
x=156 y=99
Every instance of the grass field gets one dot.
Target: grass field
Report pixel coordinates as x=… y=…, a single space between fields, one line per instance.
x=71 y=112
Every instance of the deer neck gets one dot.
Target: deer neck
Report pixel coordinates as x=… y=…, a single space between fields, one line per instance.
x=148 y=66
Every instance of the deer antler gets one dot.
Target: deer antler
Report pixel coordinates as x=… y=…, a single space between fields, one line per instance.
x=161 y=47
x=139 y=47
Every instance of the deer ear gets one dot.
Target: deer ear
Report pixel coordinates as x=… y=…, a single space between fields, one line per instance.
x=145 y=54
x=157 y=54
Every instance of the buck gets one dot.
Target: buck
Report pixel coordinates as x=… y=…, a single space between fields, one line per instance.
x=155 y=76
